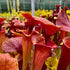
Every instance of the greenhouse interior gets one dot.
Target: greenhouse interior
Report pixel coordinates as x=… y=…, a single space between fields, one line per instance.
x=34 y=34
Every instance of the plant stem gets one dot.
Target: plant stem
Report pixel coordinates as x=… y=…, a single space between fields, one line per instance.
x=11 y=5
x=8 y=5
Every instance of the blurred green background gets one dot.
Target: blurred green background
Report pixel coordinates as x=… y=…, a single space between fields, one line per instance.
x=39 y=4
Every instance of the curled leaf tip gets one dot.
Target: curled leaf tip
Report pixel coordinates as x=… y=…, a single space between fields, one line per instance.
x=58 y=5
x=66 y=41
x=37 y=38
x=64 y=9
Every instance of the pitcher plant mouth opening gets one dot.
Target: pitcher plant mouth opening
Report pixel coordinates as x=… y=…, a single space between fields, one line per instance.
x=66 y=42
x=64 y=60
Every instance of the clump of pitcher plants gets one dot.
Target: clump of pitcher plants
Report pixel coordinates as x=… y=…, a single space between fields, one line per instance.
x=35 y=43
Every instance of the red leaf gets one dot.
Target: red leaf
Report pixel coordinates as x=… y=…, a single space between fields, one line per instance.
x=63 y=21
x=48 y=27
x=29 y=19
x=65 y=54
x=12 y=44
x=8 y=63
x=30 y=22
x=37 y=38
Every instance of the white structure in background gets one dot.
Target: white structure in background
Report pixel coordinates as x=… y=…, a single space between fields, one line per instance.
x=60 y=4
x=33 y=7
